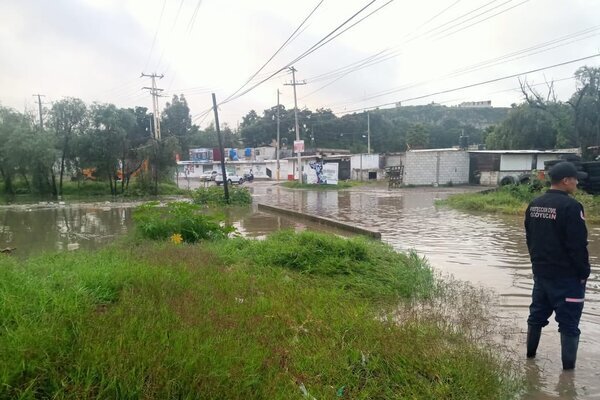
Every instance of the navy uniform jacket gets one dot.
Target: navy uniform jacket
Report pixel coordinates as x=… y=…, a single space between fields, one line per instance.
x=557 y=236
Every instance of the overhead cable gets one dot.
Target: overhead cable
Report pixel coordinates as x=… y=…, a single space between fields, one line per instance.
x=475 y=84
x=292 y=36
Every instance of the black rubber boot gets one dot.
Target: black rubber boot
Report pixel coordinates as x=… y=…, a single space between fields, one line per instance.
x=569 y=346
x=534 y=333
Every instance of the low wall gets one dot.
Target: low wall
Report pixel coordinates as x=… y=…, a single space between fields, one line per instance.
x=322 y=220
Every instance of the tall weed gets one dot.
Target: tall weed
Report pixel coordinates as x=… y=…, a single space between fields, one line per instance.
x=160 y=222
x=215 y=195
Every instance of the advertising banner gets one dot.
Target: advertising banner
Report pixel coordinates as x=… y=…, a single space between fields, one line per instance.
x=319 y=173
x=298 y=146
x=330 y=171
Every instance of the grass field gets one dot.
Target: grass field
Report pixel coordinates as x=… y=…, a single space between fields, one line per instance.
x=290 y=317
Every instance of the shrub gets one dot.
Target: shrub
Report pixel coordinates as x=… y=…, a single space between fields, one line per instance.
x=157 y=222
x=360 y=265
x=215 y=195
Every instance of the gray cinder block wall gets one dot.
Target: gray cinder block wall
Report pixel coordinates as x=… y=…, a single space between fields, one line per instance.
x=427 y=167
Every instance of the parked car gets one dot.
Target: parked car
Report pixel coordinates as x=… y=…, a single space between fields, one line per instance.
x=231 y=179
x=208 y=176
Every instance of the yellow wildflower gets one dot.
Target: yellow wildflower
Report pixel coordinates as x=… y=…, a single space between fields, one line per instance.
x=176 y=238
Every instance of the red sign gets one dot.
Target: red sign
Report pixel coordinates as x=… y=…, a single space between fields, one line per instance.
x=298 y=146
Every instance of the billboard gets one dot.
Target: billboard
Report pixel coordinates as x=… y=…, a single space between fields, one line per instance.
x=298 y=146
x=320 y=173
x=330 y=171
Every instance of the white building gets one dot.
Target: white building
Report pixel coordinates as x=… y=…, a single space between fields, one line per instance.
x=497 y=167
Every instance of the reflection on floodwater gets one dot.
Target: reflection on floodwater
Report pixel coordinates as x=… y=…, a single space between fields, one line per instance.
x=487 y=250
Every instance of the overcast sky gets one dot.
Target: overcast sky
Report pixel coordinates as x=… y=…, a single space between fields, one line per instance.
x=97 y=49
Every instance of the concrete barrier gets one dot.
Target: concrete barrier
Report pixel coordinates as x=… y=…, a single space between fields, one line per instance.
x=322 y=220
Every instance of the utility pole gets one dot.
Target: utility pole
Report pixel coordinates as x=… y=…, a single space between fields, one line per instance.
x=294 y=84
x=277 y=151
x=39 y=96
x=221 y=149
x=155 y=92
x=368 y=133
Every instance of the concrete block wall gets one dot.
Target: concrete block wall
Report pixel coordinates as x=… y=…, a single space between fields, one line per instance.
x=454 y=167
x=394 y=160
x=363 y=175
x=369 y=161
x=436 y=167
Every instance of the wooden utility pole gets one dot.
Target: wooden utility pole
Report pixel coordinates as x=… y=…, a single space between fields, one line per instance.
x=39 y=96
x=221 y=149
x=277 y=151
x=294 y=84
x=155 y=92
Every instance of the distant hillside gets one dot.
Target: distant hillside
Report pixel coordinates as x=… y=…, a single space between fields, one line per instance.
x=480 y=118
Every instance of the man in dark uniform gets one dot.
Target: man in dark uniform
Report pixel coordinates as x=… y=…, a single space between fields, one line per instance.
x=557 y=242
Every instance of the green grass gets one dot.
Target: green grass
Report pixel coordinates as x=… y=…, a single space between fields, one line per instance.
x=513 y=200
x=91 y=190
x=180 y=221
x=340 y=185
x=237 y=319
x=215 y=195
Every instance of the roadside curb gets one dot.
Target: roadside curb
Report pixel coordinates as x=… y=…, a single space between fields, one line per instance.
x=322 y=220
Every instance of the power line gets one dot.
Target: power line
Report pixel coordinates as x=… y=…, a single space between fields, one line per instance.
x=457 y=18
x=162 y=53
x=381 y=57
x=276 y=52
x=156 y=33
x=527 y=52
x=190 y=25
x=480 y=21
x=475 y=84
x=313 y=48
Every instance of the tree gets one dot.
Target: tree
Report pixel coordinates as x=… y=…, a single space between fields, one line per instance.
x=13 y=127
x=258 y=131
x=137 y=138
x=68 y=118
x=585 y=103
x=106 y=144
x=176 y=121
x=417 y=137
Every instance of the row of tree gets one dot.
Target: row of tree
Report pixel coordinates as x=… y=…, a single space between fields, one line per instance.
x=543 y=122
x=323 y=129
x=116 y=141
x=540 y=122
x=113 y=143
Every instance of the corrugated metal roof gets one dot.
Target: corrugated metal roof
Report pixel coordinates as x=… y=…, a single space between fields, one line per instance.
x=433 y=150
x=559 y=151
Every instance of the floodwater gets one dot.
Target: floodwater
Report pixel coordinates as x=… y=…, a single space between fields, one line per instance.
x=486 y=250
x=31 y=229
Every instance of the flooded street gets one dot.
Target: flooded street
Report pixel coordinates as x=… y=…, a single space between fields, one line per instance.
x=485 y=250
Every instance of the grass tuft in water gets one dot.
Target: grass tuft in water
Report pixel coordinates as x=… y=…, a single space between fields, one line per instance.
x=179 y=220
x=215 y=195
